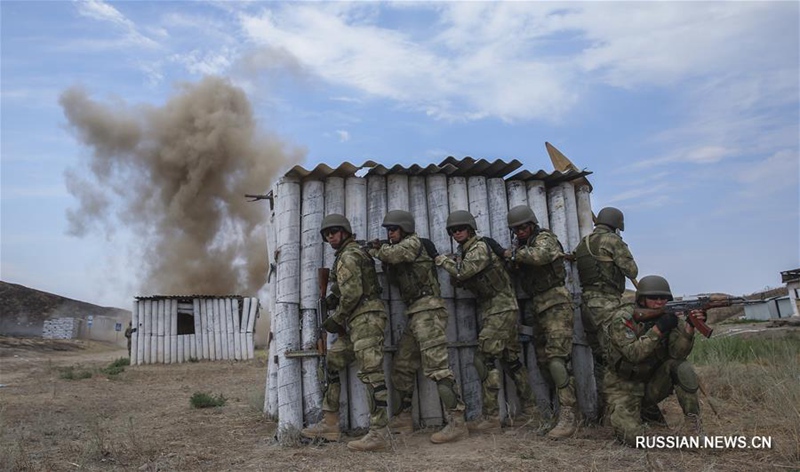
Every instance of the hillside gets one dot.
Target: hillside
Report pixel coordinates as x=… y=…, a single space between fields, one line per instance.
x=23 y=310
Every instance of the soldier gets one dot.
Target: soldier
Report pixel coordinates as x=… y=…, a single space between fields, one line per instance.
x=355 y=297
x=128 y=333
x=478 y=269
x=410 y=266
x=647 y=351
x=604 y=261
x=538 y=261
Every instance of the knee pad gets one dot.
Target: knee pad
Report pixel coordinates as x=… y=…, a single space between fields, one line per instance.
x=515 y=366
x=494 y=379
x=447 y=392
x=685 y=377
x=379 y=395
x=401 y=401
x=558 y=371
x=483 y=366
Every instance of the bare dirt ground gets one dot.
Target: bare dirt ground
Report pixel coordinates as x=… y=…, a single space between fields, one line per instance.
x=142 y=420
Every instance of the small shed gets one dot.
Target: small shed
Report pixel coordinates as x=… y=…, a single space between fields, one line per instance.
x=172 y=329
x=775 y=307
x=300 y=199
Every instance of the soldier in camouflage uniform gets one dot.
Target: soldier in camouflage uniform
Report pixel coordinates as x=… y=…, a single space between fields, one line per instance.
x=409 y=266
x=538 y=262
x=478 y=269
x=647 y=351
x=355 y=295
x=604 y=261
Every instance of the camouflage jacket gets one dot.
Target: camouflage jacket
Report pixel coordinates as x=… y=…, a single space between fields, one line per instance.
x=354 y=282
x=540 y=270
x=635 y=350
x=604 y=261
x=482 y=272
x=409 y=266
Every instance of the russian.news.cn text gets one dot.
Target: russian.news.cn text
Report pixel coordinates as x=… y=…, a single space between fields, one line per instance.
x=703 y=442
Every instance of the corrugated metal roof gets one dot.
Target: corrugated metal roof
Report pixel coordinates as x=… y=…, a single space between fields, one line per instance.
x=465 y=167
x=184 y=297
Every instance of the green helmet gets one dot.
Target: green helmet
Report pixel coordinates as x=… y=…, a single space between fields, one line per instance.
x=653 y=285
x=333 y=220
x=521 y=214
x=400 y=218
x=611 y=216
x=460 y=218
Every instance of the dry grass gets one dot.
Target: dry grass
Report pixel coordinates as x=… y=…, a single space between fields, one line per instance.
x=143 y=421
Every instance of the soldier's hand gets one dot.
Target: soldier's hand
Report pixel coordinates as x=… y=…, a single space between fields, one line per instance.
x=699 y=314
x=508 y=253
x=332 y=326
x=440 y=259
x=331 y=301
x=667 y=323
x=569 y=257
x=374 y=244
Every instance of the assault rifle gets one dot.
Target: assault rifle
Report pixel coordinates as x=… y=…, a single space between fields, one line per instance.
x=323 y=274
x=371 y=244
x=702 y=302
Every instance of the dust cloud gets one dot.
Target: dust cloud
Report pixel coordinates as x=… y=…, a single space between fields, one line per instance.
x=175 y=176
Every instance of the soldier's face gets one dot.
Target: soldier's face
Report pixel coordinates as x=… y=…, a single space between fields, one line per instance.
x=394 y=234
x=523 y=232
x=655 y=301
x=335 y=237
x=460 y=234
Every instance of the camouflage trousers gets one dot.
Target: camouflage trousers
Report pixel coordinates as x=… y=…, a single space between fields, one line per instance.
x=363 y=343
x=499 y=340
x=423 y=343
x=626 y=398
x=552 y=340
x=597 y=311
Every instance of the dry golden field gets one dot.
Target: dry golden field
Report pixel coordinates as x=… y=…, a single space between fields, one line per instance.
x=141 y=419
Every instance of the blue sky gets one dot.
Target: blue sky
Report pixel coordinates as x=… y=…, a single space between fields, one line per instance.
x=687 y=113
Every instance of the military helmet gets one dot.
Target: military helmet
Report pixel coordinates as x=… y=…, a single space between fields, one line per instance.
x=333 y=220
x=521 y=214
x=611 y=216
x=653 y=285
x=400 y=218
x=461 y=218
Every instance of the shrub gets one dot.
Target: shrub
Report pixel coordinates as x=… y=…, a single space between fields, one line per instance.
x=206 y=400
x=73 y=373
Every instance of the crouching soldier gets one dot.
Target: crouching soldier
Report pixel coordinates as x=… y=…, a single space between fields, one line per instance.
x=360 y=319
x=647 y=354
x=409 y=265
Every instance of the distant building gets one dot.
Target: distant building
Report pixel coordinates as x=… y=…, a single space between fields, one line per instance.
x=792 y=280
x=775 y=307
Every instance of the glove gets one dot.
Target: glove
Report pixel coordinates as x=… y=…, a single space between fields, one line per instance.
x=331 y=301
x=667 y=323
x=440 y=259
x=332 y=326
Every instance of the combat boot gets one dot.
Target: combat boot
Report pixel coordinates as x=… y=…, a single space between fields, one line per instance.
x=375 y=440
x=485 y=424
x=327 y=429
x=692 y=425
x=402 y=423
x=652 y=414
x=455 y=429
x=566 y=426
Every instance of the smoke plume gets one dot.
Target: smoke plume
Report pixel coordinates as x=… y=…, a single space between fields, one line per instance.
x=176 y=177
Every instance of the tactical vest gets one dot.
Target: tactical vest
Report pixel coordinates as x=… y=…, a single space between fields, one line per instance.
x=371 y=288
x=642 y=371
x=539 y=279
x=595 y=269
x=415 y=279
x=490 y=281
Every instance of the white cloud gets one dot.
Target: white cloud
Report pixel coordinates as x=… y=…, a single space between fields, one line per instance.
x=344 y=136
x=103 y=12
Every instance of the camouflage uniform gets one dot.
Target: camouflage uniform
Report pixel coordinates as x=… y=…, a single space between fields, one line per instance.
x=128 y=333
x=482 y=272
x=604 y=261
x=540 y=269
x=643 y=370
x=356 y=294
x=410 y=267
